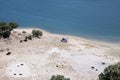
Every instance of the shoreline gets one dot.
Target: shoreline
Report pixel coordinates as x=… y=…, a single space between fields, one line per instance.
x=102 y=39
x=79 y=37
x=48 y=55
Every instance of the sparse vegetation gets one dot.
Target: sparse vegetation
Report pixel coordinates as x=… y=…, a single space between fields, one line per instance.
x=5 y=29
x=111 y=72
x=28 y=37
x=37 y=33
x=59 y=77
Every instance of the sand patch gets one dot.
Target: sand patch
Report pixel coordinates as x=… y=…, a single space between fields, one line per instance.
x=18 y=69
x=84 y=63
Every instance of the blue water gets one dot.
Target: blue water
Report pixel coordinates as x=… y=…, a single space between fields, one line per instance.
x=97 y=19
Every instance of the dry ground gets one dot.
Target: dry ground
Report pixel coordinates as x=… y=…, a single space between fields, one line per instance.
x=39 y=59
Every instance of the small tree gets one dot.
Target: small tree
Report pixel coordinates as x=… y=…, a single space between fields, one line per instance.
x=37 y=33
x=58 y=77
x=111 y=72
x=5 y=29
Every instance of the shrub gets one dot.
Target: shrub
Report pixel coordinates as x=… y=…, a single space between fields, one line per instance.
x=5 y=29
x=111 y=72
x=6 y=34
x=29 y=37
x=37 y=33
x=58 y=77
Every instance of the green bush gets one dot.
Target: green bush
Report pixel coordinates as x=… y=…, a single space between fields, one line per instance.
x=37 y=33
x=58 y=77
x=111 y=72
x=27 y=38
x=6 y=34
x=5 y=29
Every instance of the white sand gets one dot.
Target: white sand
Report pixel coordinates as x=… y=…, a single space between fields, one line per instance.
x=18 y=69
x=42 y=58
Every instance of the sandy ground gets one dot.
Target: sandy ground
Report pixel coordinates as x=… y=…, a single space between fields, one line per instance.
x=39 y=59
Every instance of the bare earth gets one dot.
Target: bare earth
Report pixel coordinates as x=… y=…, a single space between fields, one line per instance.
x=39 y=59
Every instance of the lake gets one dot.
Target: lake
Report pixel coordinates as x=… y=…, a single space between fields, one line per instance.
x=96 y=19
